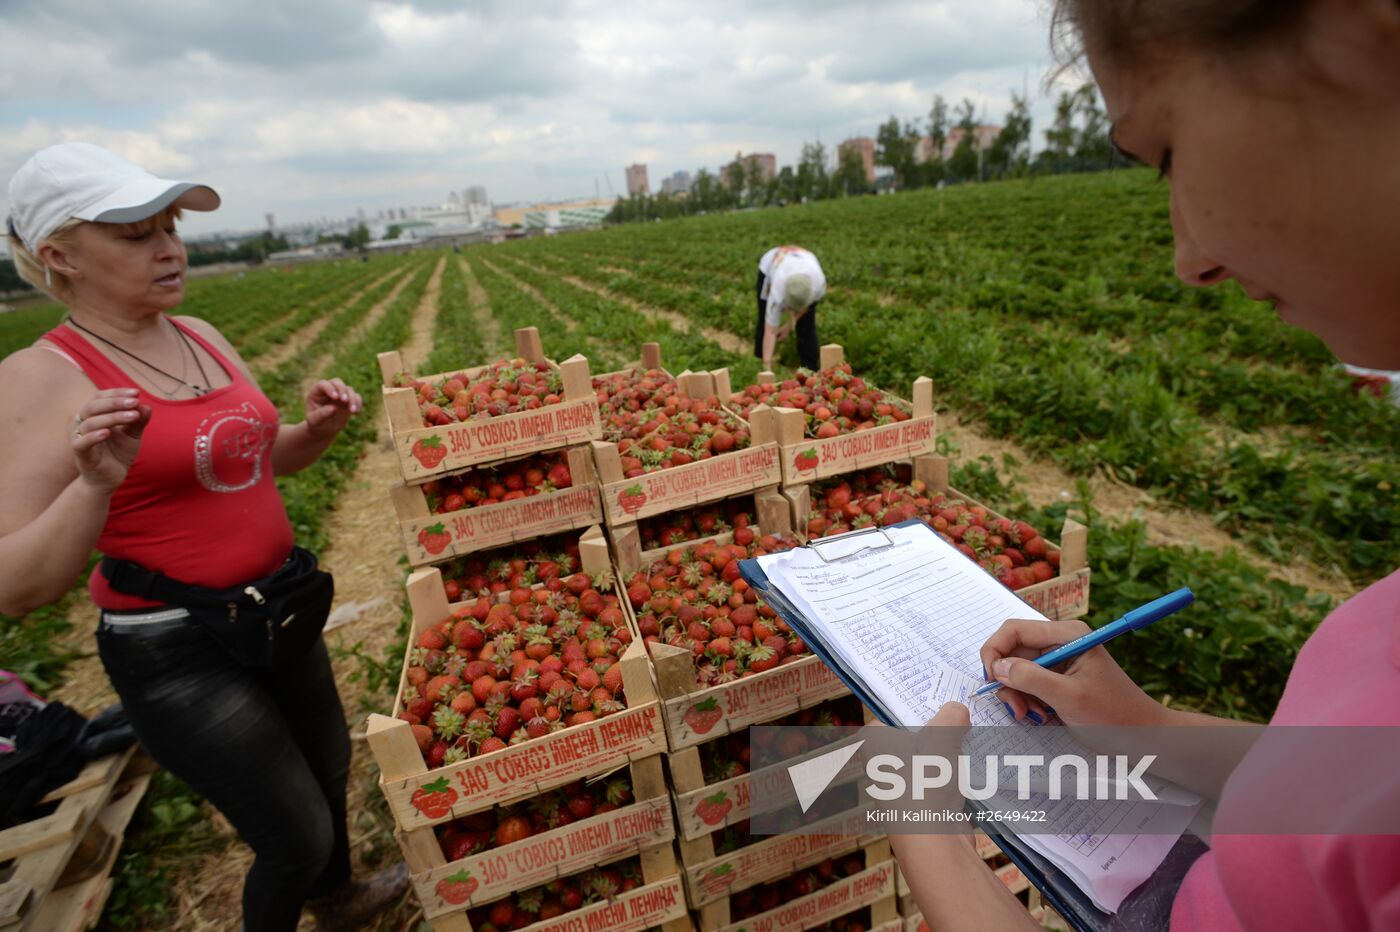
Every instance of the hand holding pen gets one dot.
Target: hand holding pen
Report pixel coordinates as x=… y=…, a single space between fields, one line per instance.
x=1090 y=689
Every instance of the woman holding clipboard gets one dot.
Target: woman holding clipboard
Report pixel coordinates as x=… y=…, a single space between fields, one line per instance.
x=1277 y=124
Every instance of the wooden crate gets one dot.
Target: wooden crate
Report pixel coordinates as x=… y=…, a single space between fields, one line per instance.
x=873 y=887
x=432 y=538
x=1062 y=597
x=805 y=459
x=696 y=714
x=1009 y=874
x=420 y=798
x=710 y=882
x=771 y=511
x=425 y=452
x=696 y=800
x=644 y=828
x=723 y=476
x=57 y=868
x=655 y=904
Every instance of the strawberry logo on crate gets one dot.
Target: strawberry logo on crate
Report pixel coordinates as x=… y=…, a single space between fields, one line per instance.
x=719 y=879
x=704 y=715
x=712 y=809
x=457 y=888
x=429 y=451
x=632 y=498
x=434 y=799
x=806 y=460
x=434 y=538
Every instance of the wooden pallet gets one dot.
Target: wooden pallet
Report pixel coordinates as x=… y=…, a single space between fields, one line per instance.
x=432 y=538
x=805 y=459
x=1064 y=596
x=420 y=798
x=54 y=871
x=625 y=500
x=425 y=452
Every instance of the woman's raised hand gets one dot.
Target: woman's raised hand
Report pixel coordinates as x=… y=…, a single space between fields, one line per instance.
x=106 y=436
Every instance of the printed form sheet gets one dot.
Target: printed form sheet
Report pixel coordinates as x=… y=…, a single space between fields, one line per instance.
x=906 y=614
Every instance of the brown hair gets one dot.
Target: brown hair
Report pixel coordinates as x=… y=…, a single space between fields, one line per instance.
x=56 y=285
x=1125 y=29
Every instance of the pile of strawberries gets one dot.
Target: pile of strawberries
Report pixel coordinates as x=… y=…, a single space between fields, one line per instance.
x=677 y=527
x=694 y=598
x=730 y=756
x=554 y=899
x=501 y=483
x=519 y=566
x=505 y=825
x=655 y=426
x=1012 y=551
x=499 y=671
x=836 y=401
x=503 y=387
x=771 y=895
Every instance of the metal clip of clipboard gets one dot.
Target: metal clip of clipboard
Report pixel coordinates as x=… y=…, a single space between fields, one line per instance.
x=816 y=545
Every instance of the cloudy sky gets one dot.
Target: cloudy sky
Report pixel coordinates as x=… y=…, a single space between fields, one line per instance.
x=312 y=108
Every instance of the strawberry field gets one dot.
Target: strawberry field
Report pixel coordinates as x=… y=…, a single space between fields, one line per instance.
x=1202 y=442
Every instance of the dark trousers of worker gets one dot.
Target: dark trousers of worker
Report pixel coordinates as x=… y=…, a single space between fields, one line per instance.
x=270 y=751
x=808 y=350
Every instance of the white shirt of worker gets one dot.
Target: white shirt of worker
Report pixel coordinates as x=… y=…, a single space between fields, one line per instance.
x=781 y=263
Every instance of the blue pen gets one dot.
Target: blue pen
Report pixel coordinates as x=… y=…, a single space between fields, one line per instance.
x=1139 y=617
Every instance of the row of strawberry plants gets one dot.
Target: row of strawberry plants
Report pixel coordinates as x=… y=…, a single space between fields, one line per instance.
x=626 y=327
x=239 y=305
x=456 y=340
x=513 y=308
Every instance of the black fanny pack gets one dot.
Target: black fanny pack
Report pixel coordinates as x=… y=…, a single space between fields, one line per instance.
x=263 y=623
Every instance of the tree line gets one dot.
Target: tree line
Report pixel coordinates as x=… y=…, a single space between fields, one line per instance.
x=1077 y=140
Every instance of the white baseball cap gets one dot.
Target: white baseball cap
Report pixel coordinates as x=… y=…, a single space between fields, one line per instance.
x=77 y=180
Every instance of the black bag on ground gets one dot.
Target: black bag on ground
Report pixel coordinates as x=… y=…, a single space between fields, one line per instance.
x=258 y=623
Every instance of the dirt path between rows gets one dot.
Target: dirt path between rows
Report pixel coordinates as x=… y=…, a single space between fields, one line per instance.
x=318 y=367
x=479 y=302
x=363 y=555
x=304 y=337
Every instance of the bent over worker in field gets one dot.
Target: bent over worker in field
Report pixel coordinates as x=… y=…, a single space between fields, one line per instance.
x=789 y=278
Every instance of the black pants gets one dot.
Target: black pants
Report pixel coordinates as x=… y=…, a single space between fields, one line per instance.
x=808 y=350
x=272 y=753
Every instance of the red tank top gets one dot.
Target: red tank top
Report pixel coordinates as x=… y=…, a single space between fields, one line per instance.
x=199 y=504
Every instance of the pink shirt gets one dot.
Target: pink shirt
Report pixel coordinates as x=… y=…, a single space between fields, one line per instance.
x=1348 y=673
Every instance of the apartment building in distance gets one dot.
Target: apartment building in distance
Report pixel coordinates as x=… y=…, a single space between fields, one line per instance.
x=637 y=180
x=866 y=147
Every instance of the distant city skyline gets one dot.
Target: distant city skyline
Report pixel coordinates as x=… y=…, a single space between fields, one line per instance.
x=320 y=108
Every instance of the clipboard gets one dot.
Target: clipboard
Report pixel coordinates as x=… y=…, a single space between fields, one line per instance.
x=1146 y=909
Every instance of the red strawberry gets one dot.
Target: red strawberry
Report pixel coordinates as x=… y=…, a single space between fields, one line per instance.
x=806 y=460
x=457 y=888
x=507 y=720
x=712 y=809
x=704 y=715
x=434 y=538
x=434 y=799
x=429 y=451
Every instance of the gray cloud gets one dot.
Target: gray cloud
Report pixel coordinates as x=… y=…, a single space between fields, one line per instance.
x=318 y=106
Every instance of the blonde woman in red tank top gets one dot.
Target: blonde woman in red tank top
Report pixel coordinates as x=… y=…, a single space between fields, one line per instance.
x=143 y=435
